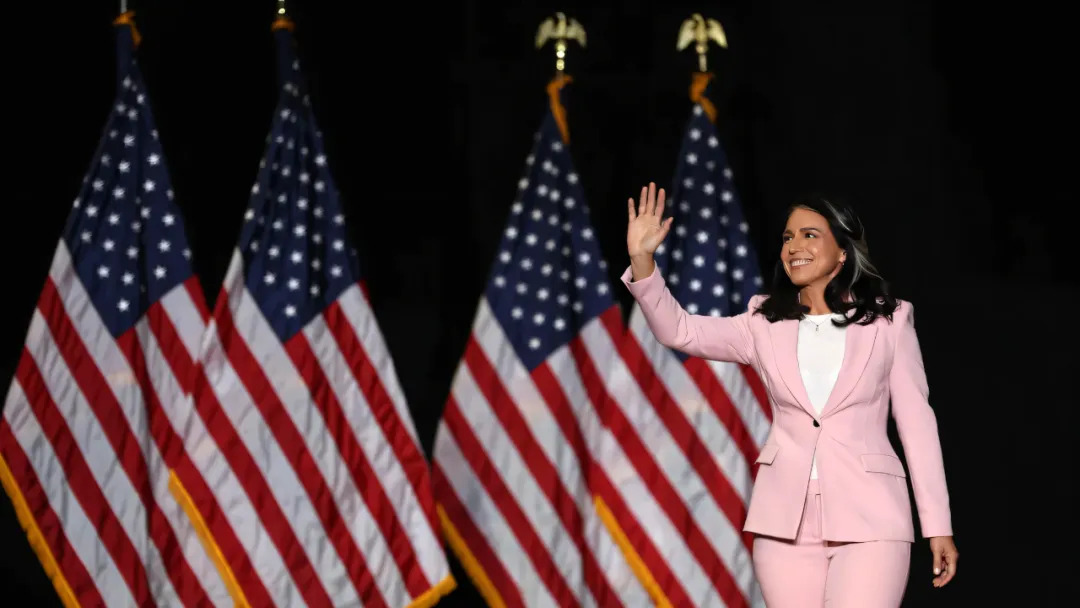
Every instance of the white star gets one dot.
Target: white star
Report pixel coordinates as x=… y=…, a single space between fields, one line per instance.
x=91 y=211
x=301 y=203
x=691 y=158
x=499 y=281
x=534 y=343
x=132 y=114
x=86 y=236
x=516 y=312
x=98 y=185
x=725 y=220
x=555 y=196
x=125 y=166
x=758 y=281
x=530 y=239
x=744 y=227
x=153 y=159
x=335 y=271
x=676 y=255
x=103 y=271
x=571 y=177
x=584 y=257
x=695 y=134
x=737 y=274
x=315 y=264
x=523 y=183
x=511 y=232
x=186 y=253
x=269 y=278
x=680 y=230
x=129 y=140
x=118 y=193
x=522 y=288
x=602 y=288
x=296 y=257
x=278 y=225
x=587 y=234
x=741 y=251
x=580 y=282
x=721 y=243
x=108 y=245
x=339 y=245
x=299 y=230
x=559 y=324
x=545 y=269
x=542 y=190
x=282 y=198
x=736 y=297
x=542 y=294
x=727 y=173
x=249 y=215
x=254 y=245
x=550 y=245
x=294 y=284
x=320 y=159
x=255 y=189
x=132 y=252
x=563 y=299
x=164 y=245
x=526 y=264
x=122 y=305
x=569 y=203
x=314 y=290
x=713 y=142
x=290 y=311
x=673 y=278
x=504 y=257
x=305 y=177
x=145 y=213
x=318 y=211
x=319 y=186
x=136 y=226
x=706 y=213
x=721 y=266
x=564 y=275
x=699 y=261
x=127 y=278
x=339 y=219
x=708 y=188
x=316 y=238
x=538 y=318
x=718 y=290
x=168 y=219
x=274 y=251
x=715 y=312
x=726 y=196
x=578 y=307
x=695 y=285
x=556 y=146
x=159 y=272
x=702 y=236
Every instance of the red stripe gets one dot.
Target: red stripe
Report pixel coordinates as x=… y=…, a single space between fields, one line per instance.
x=547 y=478
x=488 y=474
x=294 y=449
x=718 y=398
x=187 y=586
x=364 y=477
x=52 y=531
x=758 y=387
x=474 y=539
x=194 y=289
x=682 y=432
x=183 y=368
x=81 y=479
x=640 y=456
x=382 y=407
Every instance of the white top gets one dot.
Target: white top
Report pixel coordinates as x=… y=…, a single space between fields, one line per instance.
x=821 y=351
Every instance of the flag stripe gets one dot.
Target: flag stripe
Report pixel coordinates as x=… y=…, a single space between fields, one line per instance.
x=667 y=409
x=542 y=564
x=342 y=319
x=722 y=405
x=661 y=487
x=25 y=451
x=288 y=466
x=478 y=557
x=757 y=387
x=71 y=576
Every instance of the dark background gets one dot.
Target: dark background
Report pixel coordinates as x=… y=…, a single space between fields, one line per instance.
x=951 y=128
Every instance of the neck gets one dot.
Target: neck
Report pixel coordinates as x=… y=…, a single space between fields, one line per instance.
x=814 y=296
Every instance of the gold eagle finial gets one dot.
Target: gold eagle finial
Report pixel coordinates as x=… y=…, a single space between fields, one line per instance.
x=701 y=31
x=560 y=29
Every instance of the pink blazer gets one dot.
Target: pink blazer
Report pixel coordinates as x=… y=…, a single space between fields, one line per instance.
x=864 y=494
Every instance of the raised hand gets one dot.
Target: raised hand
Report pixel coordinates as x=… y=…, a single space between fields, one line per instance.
x=646 y=229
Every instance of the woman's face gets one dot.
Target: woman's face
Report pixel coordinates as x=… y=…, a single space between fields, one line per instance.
x=810 y=253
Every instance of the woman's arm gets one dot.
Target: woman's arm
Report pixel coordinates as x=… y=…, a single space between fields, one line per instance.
x=917 y=426
x=715 y=338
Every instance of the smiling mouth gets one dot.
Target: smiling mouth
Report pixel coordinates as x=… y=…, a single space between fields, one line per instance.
x=799 y=263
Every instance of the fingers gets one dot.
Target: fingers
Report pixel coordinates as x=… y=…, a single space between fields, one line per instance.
x=949 y=571
x=641 y=210
x=660 y=204
x=665 y=226
x=652 y=199
x=630 y=208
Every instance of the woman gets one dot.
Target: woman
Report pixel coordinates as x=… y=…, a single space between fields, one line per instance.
x=830 y=510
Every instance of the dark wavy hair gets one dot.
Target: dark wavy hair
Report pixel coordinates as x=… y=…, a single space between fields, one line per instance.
x=858 y=287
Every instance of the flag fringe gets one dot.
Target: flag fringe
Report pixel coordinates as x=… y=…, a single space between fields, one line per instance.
x=479 y=578
x=697 y=94
x=637 y=565
x=432 y=596
x=209 y=545
x=36 y=538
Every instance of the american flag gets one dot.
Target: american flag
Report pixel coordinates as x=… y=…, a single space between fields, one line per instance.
x=515 y=449
x=321 y=495
x=694 y=427
x=90 y=455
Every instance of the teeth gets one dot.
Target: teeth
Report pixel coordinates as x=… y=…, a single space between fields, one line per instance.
x=800 y=262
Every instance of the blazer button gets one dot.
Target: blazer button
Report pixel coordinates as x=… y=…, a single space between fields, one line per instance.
x=816 y=422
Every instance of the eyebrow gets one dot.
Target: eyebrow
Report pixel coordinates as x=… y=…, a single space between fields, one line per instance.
x=804 y=229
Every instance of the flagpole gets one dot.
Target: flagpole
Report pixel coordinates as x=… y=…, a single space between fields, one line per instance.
x=123 y=6
x=281 y=8
x=699 y=30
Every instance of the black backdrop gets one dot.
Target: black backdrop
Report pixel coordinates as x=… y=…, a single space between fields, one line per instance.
x=951 y=128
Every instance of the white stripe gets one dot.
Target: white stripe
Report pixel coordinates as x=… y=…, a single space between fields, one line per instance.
x=518 y=478
x=637 y=496
x=81 y=533
x=185 y=318
x=531 y=406
x=697 y=411
x=178 y=405
x=366 y=327
x=387 y=469
x=723 y=536
x=295 y=398
x=487 y=518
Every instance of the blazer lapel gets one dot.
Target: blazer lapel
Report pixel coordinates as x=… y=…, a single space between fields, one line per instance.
x=785 y=344
x=858 y=344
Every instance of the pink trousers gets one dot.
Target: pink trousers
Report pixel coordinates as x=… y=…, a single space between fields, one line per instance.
x=810 y=572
